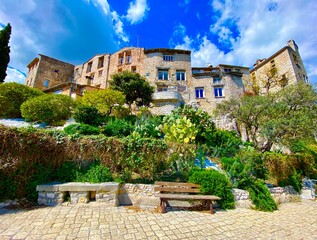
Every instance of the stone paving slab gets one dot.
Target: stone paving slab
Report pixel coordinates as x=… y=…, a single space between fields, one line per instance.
x=97 y=221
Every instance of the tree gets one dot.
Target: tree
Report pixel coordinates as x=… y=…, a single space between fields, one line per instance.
x=53 y=109
x=136 y=88
x=12 y=95
x=267 y=80
x=280 y=118
x=104 y=100
x=4 y=51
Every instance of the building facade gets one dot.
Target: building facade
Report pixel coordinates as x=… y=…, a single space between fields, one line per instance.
x=46 y=72
x=283 y=68
x=176 y=82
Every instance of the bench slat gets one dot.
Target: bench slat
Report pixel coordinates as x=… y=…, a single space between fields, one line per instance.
x=187 y=197
x=180 y=190
x=177 y=184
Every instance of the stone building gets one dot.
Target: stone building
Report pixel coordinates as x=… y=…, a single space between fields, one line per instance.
x=277 y=71
x=168 y=70
x=211 y=85
x=46 y=72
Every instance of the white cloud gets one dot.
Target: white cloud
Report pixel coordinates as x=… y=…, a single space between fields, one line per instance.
x=264 y=27
x=118 y=25
x=103 y=4
x=14 y=75
x=137 y=11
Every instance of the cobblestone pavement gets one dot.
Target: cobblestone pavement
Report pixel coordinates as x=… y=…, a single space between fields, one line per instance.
x=93 y=221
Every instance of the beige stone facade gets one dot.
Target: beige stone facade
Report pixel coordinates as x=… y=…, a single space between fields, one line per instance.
x=279 y=70
x=168 y=70
x=46 y=72
x=212 y=85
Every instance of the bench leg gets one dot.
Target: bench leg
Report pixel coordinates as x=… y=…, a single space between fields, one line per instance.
x=163 y=205
x=211 y=207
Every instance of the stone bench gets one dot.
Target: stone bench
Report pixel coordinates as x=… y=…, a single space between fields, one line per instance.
x=55 y=193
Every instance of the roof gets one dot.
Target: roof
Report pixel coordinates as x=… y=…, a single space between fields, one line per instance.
x=166 y=50
x=33 y=62
x=270 y=58
x=42 y=55
x=234 y=66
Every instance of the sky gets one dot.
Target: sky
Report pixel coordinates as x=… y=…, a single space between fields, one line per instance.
x=235 y=32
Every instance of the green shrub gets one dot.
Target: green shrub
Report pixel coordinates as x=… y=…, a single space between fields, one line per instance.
x=117 y=127
x=52 y=109
x=294 y=180
x=83 y=129
x=214 y=183
x=96 y=173
x=88 y=115
x=69 y=172
x=259 y=194
x=148 y=127
x=12 y=95
x=223 y=143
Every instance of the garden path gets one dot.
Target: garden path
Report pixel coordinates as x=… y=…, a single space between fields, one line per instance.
x=94 y=221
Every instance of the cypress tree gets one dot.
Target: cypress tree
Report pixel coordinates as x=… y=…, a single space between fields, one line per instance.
x=4 y=51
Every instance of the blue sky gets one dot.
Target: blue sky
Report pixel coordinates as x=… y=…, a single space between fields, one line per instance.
x=216 y=31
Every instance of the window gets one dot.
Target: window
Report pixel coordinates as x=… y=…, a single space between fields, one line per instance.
x=168 y=58
x=295 y=58
x=133 y=69
x=100 y=73
x=180 y=75
x=163 y=74
x=60 y=91
x=128 y=59
x=218 y=92
x=162 y=89
x=200 y=92
x=121 y=59
x=227 y=70
x=89 y=66
x=92 y=78
x=100 y=62
x=46 y=83
x=216 y=80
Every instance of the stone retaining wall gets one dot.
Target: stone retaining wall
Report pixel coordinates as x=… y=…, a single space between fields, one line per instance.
x=56 y=193
x=140 y=195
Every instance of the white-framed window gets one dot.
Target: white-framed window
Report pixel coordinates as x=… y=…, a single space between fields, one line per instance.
x=200 y=92
x=46 y=83
x=180 y=75
x=216 y=80
x=162 y=74
x=218 y=92
x=168 y=58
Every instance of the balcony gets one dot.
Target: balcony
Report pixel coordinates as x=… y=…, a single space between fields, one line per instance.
x=167 y=96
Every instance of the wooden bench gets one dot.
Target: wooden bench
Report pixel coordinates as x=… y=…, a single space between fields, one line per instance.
x=181 y=191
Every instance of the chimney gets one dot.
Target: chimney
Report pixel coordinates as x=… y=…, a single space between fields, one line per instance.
x=291 y=43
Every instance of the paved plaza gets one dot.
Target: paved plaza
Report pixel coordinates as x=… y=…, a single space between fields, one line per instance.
x=94 y=221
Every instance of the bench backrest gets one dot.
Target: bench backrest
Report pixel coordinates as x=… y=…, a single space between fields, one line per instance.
x=176 y=187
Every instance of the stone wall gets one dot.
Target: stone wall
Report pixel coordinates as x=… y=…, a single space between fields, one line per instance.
x=50 y=69
x=56 y=193
x=288 y=63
